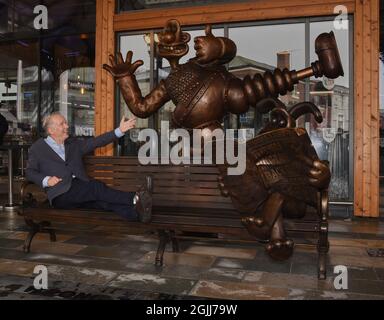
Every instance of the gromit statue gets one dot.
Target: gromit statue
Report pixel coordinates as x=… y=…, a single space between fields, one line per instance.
x=203 y=92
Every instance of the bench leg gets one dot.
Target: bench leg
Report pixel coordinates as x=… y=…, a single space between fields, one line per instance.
x=34 y=228
x=163 y=240
x=323 y=248
x=175 y=242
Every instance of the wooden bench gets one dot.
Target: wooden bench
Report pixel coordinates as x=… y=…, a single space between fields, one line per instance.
x=187 y=203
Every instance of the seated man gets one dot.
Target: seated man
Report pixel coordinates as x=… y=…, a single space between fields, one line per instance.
x=55 y=163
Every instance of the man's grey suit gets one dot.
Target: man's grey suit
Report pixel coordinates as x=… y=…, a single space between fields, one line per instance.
x=43 y=161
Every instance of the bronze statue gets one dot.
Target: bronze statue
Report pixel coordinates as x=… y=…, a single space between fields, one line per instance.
x=203 y=92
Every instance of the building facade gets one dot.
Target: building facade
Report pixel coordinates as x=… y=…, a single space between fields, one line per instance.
x=67 y=76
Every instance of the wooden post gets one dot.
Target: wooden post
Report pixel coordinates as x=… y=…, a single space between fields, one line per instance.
x=367 y=115
x=104 y=88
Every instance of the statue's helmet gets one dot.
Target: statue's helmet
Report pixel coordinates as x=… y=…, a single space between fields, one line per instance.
x=172 y=41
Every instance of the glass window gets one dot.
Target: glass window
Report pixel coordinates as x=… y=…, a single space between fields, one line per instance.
x=261 y=49
x=128 y=5
x=65 y=17
x=331 y=138
x=68 y=80
x=19 y=75
x=139 y=44
x=46 y=70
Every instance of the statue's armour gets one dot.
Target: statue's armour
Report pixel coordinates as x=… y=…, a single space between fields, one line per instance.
x=185 y=82
x=186 y=85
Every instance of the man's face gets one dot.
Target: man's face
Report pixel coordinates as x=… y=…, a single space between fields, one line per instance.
x=59 y=128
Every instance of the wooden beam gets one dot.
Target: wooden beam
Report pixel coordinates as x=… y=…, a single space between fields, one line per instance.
x=233 y=12
x=367 y=116
x=104 y=87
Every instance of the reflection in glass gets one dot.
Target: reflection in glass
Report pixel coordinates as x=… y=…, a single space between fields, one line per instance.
x=264 y=48
x=141 y=51
x=68 y=81
x=128 y=5
x=19 y=88
x=331 y=137
x=64 y=17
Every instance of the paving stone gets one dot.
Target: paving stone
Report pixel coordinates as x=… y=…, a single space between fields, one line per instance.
x=172 y=258
x=10 y=243
x=81 y=275
x=362 y=273
x=304 y=257
x=55 y=247
x=95 y=241
x=362 y=243
x=150 y=282
x=12 y=254
x=374 y=287
x=16 y=267
x=240 y=291
x=138 y=245
x=305 y=268
x=223 y=252
x=58 y=259
x=355 y=261
x=223 y=274
x=348 y=251
x=182 y=271
x=21 y=235
x=337 y=227
x=341 y=235
x=285 y=280
x=374 y=236
x=5 y=233
x=257 y=264
x=379 y=273
x=120 y=265
x=114 y=253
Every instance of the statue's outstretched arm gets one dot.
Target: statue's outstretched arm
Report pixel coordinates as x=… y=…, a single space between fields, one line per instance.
x=254 y=88
x=123 y=72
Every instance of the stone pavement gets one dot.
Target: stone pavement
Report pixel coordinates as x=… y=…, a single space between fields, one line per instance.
x=115 y=264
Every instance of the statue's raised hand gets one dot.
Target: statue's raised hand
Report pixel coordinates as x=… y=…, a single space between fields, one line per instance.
x=121 y=68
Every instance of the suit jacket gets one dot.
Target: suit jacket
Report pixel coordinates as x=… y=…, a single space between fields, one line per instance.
x=43 y=161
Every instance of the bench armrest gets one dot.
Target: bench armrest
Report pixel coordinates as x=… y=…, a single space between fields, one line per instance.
x=26 y=199
x=323 y=204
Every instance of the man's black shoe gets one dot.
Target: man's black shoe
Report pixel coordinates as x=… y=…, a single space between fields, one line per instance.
x=143 y=201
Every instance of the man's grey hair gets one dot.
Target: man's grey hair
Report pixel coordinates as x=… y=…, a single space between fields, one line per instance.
x=47 y=120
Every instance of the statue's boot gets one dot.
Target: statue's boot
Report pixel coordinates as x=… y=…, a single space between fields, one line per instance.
x=279 y=247
x=261 y=226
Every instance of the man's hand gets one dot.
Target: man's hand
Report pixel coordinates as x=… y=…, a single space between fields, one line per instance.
x=126 y=125
x=52 y=181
